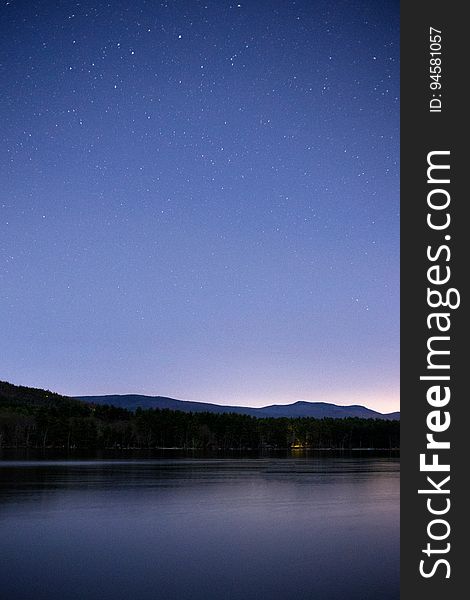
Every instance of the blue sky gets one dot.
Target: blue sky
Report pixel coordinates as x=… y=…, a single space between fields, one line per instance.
x=201 y=200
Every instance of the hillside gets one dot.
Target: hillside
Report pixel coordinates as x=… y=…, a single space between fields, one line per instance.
x=21 y=396
x=317 y=410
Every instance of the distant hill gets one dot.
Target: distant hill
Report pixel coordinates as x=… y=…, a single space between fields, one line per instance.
x=317 y=410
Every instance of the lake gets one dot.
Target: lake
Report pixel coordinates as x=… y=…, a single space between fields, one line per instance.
x=306 y=526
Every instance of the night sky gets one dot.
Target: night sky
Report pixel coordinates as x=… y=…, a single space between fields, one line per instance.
x=201 y=199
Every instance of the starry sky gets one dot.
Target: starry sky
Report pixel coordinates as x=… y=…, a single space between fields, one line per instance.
x=200 y=199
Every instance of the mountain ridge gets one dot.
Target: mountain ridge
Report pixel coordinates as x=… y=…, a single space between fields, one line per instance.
x=300 y=408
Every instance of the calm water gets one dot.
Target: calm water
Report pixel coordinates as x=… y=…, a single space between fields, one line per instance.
x=307 y=527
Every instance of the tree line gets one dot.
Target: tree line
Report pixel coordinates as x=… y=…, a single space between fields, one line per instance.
x=31 y=418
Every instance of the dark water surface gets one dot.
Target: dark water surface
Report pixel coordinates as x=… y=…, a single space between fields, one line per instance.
x=306 y=527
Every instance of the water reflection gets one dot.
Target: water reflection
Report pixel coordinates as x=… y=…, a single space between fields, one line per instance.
x=309 y=527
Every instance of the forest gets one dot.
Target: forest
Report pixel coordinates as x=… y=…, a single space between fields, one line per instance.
x=34 y=418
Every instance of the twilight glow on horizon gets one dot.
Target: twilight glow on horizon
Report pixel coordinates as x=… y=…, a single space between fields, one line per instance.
x=201 y=199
